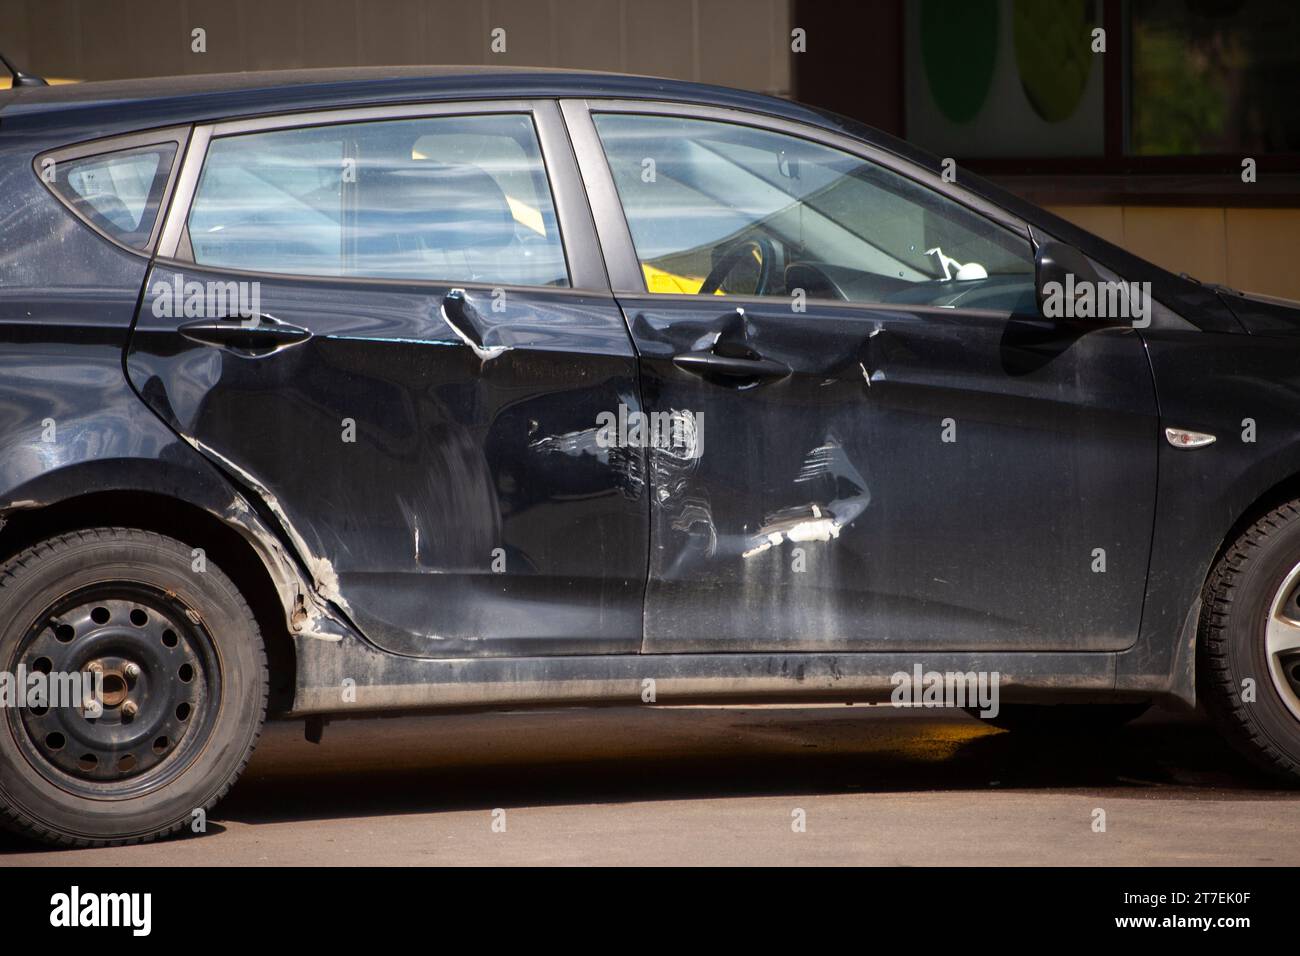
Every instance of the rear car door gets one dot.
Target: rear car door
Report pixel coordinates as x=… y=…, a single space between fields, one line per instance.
x=894 y=449
x=392 y=326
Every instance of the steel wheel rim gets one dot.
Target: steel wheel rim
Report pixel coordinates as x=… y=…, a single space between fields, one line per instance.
x=161 y=681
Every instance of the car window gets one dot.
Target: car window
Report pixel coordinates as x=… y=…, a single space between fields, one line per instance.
x=729 y=209
x=119 y=192
x=455 y=198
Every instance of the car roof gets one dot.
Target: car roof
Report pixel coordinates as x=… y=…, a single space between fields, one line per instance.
x=78 y=112
x=84 y=111
x=160 y=87
x=202 y=97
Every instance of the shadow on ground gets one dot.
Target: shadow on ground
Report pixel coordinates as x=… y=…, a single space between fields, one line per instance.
x=385 y=766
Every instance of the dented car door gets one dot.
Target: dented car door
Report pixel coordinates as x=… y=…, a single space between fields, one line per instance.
x=393 y=329
x=890 y=449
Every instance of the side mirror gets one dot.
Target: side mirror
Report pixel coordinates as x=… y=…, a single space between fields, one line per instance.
x=1060 y=270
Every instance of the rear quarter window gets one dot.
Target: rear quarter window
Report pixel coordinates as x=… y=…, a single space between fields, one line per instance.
x=117 y=193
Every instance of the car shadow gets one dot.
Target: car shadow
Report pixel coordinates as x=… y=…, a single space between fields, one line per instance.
x=451 y=762
x=473 y=762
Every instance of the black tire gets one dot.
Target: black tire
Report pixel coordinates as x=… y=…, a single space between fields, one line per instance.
x=130 y=604
x=1065 y=719
x=1237 y=603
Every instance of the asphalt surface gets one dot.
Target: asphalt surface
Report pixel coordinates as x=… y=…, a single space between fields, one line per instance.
x=656 y=785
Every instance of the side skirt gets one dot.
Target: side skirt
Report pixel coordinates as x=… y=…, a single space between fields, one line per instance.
x=335 y=678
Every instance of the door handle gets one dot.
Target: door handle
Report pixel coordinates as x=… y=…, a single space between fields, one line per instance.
x=709 y=363
x=465 y=321
x=259 y=335
x=461 y=315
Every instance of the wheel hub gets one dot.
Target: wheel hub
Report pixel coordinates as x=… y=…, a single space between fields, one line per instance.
x=150 y=689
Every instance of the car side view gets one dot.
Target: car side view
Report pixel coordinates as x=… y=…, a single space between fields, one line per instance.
x=356 y=391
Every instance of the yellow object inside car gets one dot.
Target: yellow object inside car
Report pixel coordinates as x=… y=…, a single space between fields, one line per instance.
x=7 y=82
x=660 y=280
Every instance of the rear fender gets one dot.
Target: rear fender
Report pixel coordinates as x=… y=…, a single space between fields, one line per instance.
x=178 y=472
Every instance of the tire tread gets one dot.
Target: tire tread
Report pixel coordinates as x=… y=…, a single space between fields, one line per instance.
x=1217 y=682
x=13 y=819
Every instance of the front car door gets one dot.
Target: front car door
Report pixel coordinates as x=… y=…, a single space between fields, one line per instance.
x=392 y=327
x=896 y=451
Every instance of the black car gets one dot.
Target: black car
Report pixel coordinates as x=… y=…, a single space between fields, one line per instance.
x=342 y=392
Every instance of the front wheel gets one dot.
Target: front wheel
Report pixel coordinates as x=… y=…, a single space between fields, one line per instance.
x=1249 y=660
x=156 y=687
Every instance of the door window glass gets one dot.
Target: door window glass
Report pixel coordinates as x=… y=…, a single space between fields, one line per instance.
x=728 y=209
x=455 y=198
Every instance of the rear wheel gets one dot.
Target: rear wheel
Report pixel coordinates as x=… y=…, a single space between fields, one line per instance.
x=167 y=668
x=1249 y=661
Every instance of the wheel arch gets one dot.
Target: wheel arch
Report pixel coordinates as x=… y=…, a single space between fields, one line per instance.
x=192 y=526
x=199 y=508
x=1284 y=490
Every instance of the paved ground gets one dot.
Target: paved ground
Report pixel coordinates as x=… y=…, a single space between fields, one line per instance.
x=710 y=785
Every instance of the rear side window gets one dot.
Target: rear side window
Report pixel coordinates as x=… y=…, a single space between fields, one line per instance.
x=453 y=198
x=117 y=193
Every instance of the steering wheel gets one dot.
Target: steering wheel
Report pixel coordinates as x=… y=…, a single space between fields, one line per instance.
x=759 y=248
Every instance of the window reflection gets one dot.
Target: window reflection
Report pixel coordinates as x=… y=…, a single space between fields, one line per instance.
x=461 y=199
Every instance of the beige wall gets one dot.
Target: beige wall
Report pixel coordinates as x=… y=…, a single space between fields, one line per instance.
x=1254 y=250
x=742 y=43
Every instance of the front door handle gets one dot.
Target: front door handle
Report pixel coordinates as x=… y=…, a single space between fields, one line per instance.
x=259 y=335
x=709 y=363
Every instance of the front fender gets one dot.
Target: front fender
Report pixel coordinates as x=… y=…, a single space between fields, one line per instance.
x=1244 y=390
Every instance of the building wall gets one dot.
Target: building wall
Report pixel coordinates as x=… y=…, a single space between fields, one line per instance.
x=1250 y=249
x=742 y=43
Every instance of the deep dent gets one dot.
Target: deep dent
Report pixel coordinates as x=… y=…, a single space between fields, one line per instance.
x=308 y=617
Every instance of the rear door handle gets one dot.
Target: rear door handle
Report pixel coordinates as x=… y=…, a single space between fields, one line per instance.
x=259 y=335
x=462 y=316
x=709 y=363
